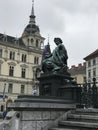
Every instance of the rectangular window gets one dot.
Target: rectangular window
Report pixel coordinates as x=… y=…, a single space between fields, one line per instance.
x=36 y=60
x=0 y=69
x=84 y=79
x=37 y=43
x=23 y=72
x=12 y=55
x=94 y=61
x=94 y=72
x=89 y=74
x=22 y=89
x=0 y=53
x=89 y=63
x=10 y=88
x=11 y=71
x=24 y=57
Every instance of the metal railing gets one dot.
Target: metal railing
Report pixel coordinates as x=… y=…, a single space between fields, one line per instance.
x=89 y=94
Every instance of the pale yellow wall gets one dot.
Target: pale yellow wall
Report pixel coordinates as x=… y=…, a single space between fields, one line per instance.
x=17 y=72
x=80 y=78
x=16 y=80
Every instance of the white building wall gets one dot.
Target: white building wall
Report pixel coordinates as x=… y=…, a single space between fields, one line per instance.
x=97 y=69
x=91 y=68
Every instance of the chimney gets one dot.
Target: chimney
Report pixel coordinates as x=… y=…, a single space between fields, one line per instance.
x=73 y=67
x=84 y=63
x=80 y=65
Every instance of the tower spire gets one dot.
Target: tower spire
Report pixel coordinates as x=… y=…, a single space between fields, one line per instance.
x=32 y=16
x=48 y=39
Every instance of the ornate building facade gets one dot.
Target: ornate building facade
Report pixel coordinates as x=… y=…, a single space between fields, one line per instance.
x=18 y=59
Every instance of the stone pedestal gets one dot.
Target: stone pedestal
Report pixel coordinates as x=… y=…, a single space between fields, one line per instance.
x=58 y=85
x=40 y=113
x=58 y=94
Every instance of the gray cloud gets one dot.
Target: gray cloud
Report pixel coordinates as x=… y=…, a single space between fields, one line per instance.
x=75 y=21
x=77 y=6
x=50 y=17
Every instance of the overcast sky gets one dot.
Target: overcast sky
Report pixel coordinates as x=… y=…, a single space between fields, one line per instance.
x=75 y=21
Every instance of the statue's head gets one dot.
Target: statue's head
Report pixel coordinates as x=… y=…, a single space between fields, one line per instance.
x=58 y=41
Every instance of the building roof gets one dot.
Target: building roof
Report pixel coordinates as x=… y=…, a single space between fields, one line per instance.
x=80 y=69
x=92 y=55
x=31 y=29
x=11 y=41
x=18 y=43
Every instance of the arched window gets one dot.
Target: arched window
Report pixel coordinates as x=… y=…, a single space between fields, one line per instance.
x=28 y=40
x=37 y=43
x=32 y=40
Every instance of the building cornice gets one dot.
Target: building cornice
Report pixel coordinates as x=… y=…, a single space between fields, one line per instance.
x=15 y=81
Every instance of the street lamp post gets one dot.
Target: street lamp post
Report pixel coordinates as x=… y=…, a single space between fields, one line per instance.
x=4 y=92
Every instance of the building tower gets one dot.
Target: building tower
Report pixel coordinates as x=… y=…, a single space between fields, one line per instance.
x=33 y=40
x=19 y=57
x=31 y=35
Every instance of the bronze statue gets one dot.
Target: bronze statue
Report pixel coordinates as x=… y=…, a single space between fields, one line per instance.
x=56 y=62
